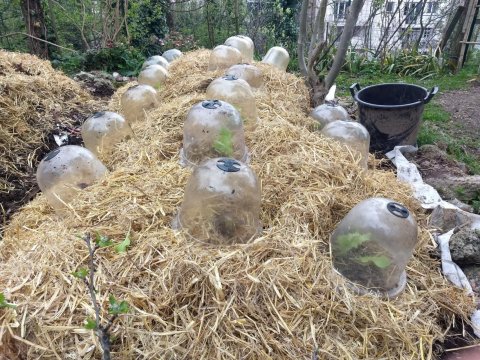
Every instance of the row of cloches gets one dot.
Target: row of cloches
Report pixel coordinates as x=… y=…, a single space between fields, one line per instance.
x=370 y=246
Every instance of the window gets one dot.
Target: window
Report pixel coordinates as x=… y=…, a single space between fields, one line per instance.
x=390 y=7
x=431 y=7
x=340 y=9
x=411 y=12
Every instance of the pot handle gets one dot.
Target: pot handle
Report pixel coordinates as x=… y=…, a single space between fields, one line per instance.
x=354 y=89
x=430 y=95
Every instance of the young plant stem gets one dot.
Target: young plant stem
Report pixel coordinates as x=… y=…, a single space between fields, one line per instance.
x=102 y=332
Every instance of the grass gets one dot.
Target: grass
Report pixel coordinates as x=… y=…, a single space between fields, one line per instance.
x=437 y=127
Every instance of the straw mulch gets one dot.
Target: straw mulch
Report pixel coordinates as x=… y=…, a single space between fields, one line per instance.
x=33 y=99
x=275 y=298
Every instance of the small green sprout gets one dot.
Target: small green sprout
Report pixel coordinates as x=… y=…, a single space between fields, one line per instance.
x=80 y=273
x=223 y=145
x=117 y=308
x=4 y=304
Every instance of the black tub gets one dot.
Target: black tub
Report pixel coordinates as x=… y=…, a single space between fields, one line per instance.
x=391 y=113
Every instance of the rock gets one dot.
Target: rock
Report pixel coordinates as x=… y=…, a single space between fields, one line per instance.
x=465 y=188
x=465 y=246
x=472 y=272
x=461 y=205
x=447 y=219
x=96 y=82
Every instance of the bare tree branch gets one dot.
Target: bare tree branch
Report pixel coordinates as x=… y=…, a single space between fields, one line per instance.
x=36 y=38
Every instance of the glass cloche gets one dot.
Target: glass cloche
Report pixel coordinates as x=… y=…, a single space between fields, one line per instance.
x=351 y=133
x=136 y=100
x=65 y=171
x=223 y=56
x=238 y=93
x=278 y=57
x=221 y=205
x=213 y=128
x=250 y=73
x=372 y=245
x=103 y=130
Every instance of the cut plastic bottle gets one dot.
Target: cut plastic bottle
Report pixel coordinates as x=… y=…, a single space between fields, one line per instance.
x=243 y=44
x=102 y=131
x=156 y=60
x=221 y=205
x=213 y=128
x=250 y=73
x=278 y=57
x=222 y=57
x=329 y=112
x=350 y=133
x=65 y=171
x=153 y=75
x=238 y=93
x=372 y=245
x=136 y=100
x=172 y=54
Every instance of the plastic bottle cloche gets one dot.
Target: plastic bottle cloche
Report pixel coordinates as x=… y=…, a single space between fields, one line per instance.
x=278 y=57
x=222 y=57
x=238 y=93
x=221 y=205
x=65 y=171
x=329 y=112
x=250 y=73
x=103 y=130
x=213 y=128
x=351 y=133
x=372 y=245
x=136 y=100
x=243 y=44
x=172 y=54
x=156 y=60
x=153 y=75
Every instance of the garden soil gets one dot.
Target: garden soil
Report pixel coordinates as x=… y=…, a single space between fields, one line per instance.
x=275 y=297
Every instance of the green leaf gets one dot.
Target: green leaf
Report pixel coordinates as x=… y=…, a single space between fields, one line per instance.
x=350 y=241
x=80 y=273
x=223 y=145
x=90 y=324
x=122 y=247
x=4 y=303
x=116 y=307
x=102 y=241
x=381 y=261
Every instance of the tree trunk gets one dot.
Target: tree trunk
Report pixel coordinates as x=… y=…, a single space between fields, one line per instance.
x=35 y=24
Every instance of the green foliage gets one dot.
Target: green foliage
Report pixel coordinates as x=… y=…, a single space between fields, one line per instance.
x=90 y=324
x=4 y=304
x=80 y=273
x=350 y=241
x=122 y=58
x=380 y=261
x=117 y=308
x=69 y=63
x=122 y=247
x=223 y=145
x=102 y=240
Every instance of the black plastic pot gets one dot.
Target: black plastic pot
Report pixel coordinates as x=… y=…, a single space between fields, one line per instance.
x=392 y=113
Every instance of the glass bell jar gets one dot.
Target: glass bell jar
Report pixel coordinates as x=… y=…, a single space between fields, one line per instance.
x=243 y=44
x=372 y=245
x=351 y=133
x=329 y=112
x=172 y=54
x=213 y=128
x=136 y=100
x=153 y=75
x=223 y=56
x=156 y=60
x=221 y=205
x=278 y=57
x=65 y=171
x=250 y=73
x=238 y=93
x=102 y=131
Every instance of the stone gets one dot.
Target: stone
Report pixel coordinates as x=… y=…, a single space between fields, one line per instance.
x=446 y=219
x=465 y=246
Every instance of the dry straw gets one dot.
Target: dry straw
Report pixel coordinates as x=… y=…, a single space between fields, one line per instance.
x=33 y=99
x=274 y=298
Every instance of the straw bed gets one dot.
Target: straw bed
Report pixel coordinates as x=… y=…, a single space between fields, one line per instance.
x=275 y=298
x=34 y=98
